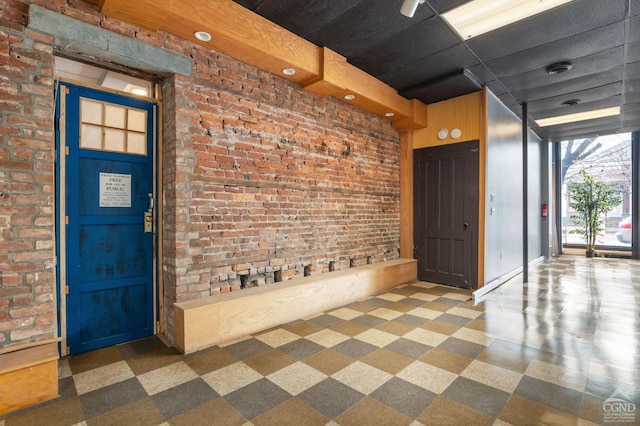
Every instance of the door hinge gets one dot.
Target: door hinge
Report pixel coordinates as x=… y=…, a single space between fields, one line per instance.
x=66 y=150
x=66 y=289
x=66 y=220
x=66 y=90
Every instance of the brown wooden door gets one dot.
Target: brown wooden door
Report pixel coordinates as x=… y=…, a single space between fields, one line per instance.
x=446 y=214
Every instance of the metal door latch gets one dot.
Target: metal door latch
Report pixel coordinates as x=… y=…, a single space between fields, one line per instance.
x=148 y=222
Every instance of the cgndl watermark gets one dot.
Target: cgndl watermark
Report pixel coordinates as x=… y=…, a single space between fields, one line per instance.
x=618 y=408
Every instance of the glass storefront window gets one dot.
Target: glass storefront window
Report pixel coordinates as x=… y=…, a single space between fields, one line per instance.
x=607 y=159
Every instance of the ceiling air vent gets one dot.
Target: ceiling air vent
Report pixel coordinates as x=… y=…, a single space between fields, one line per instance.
x=571 y=102
x=558 y=68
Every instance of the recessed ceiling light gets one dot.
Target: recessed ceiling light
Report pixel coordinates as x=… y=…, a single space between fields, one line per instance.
x=571 y=102
x=136 y=90
x=558 y=68
x=389 y=114
x=139 y=91
x=481 y=16
x=581 y=116
x=202 y=35
x=288 y=71
x=349 y=97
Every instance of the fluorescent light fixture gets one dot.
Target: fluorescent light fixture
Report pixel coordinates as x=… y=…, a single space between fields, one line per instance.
x=409 y=7
x=481 y=16
x=580 y=116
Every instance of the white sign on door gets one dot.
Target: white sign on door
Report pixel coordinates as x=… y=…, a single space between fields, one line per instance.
x=115 y=190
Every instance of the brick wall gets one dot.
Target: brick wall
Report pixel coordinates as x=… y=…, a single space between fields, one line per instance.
x=27 y=257
x=262 y=181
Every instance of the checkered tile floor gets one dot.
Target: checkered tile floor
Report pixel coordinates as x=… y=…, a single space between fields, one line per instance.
x=551 y=351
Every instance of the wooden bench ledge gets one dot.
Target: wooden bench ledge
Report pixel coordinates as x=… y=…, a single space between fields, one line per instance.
x=201 y=323
x=28 y=375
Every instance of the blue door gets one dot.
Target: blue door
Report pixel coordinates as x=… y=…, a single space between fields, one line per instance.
x=107 y=180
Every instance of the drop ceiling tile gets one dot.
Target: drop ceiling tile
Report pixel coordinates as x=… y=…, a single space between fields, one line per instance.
x=440 y=64
x=632 y=97
x=585 y=96
x=581 y=107
x=632 y=71
x=634 y=29
x=632 y=87
x=367 y=24
x=566 y=86
x=249 y=4
x=442 y=6
x=304 y=17
x=581 y=67
x=633 y=52
x=567 y=49
x=429 y=37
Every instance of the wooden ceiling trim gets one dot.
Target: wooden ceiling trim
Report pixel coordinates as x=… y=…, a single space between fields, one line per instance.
x=339 y=78
x=148 y=14
x=248 y=37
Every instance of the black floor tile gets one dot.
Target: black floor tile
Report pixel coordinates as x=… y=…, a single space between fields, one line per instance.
x=483 y=398
x=184 y=397
x=257 y=398
x=109 y=397
x=330 y=397
x=413 y=350
x=354 y=348
x=462 y=347
x=404 y=397
x=549 y=394
x=411 y=320
x=454 y=319
x=301 y=348
x=325 y=320
x=368 y=320
x=247 y=348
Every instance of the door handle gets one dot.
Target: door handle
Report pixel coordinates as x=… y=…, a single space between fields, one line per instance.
x=465 y=225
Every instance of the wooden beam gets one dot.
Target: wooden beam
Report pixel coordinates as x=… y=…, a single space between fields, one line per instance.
x=406 y=194
x=339 y=78
x=234 y=30
x=201 y=323
x=248 y=37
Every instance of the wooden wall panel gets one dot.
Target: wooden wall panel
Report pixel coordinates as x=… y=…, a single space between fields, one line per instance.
x=462 y=113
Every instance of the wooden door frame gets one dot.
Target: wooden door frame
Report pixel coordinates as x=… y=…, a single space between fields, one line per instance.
x=60 y=201
x=473 y=275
